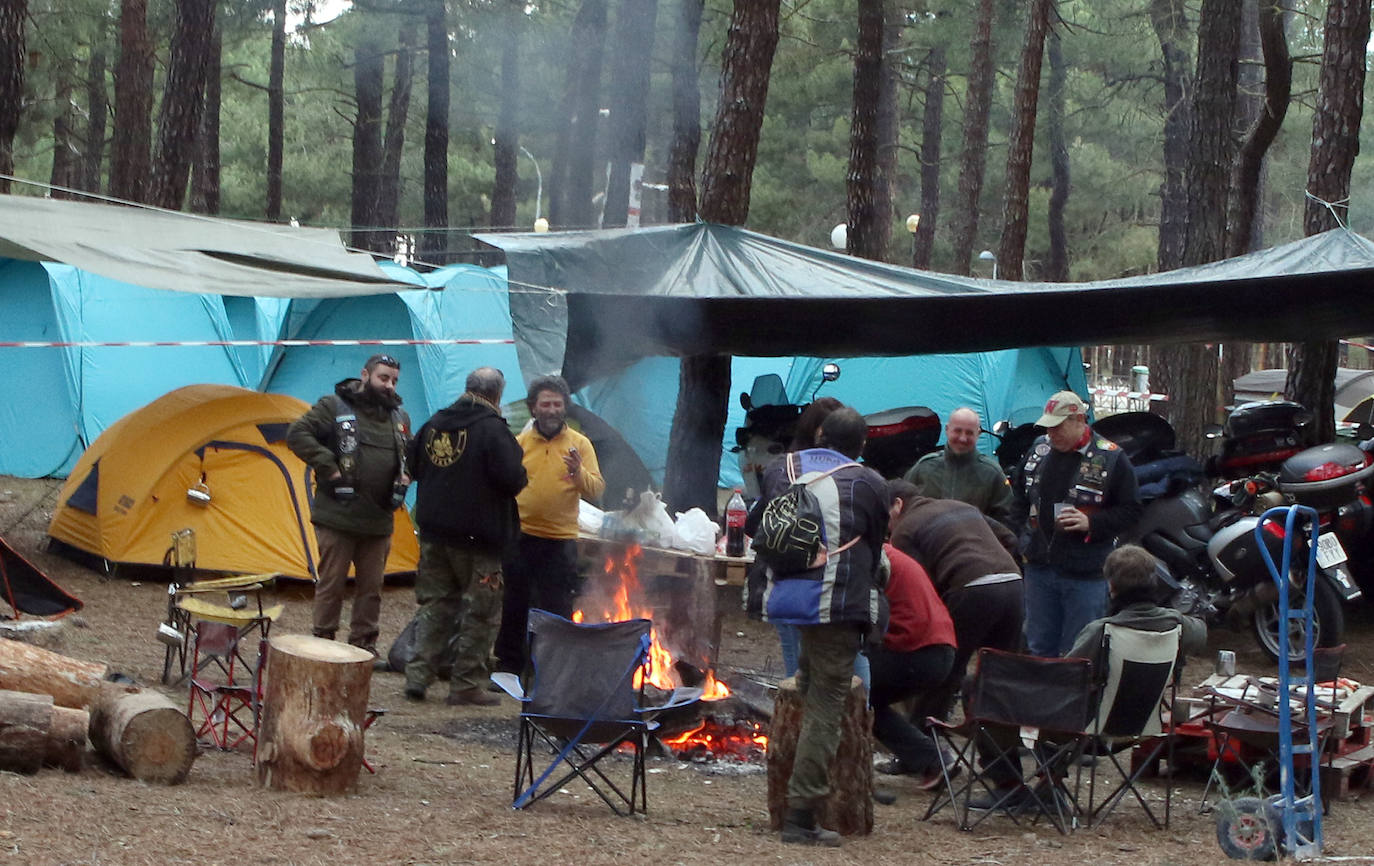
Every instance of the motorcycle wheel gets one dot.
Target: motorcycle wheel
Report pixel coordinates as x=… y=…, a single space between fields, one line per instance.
x=1328 y=619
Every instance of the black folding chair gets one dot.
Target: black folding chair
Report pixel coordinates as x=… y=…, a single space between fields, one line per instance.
x=1014 y=699
x=581 y=701
x=1138 y=685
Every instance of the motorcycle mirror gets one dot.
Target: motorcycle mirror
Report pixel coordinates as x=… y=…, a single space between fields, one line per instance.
x=1212 y=431
x=1001 y=427
x=745 y=402
x=830 y=372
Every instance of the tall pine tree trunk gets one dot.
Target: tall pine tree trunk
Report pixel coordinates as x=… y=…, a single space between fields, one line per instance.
x=1016 y=210
x=130 y=151
x=97 y=112
x=12 y=13
x=435 y=241
x=206 y=170
x=1335 y=144
x=704 y=381
x=276 y=110
x=1170 y=23
x=973 y=162
x=1188 y=372
x=586 y=112
x=863 y=238
x=889 y=126
x=506 y=153
x=1057 y=265
x=66 y=160
x=629 y=94
x=932 y=128
x=398 y=109
x=368 y=72
x=182 y=99
x=682 y=157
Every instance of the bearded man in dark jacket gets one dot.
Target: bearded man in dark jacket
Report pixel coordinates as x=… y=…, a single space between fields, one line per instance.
x=354 y=441
x=468 y=468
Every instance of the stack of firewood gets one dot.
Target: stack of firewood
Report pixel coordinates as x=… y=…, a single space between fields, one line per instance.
x=50 y=703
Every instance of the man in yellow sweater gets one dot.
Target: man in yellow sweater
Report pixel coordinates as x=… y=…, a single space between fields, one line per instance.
x=562 y=469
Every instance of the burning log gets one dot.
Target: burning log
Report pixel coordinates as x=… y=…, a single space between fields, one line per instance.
x=849 y=808
x=311 y=738
x=144 y=734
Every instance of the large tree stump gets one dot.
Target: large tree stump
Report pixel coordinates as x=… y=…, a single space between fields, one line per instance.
x=70 y=682
x=24 y=723
x=144 y=734
x=311 y=737
x=849 y=808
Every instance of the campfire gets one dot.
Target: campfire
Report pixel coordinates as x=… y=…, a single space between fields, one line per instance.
x=619 y=596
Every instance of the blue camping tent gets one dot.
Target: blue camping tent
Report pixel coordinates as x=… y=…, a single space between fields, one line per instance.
x=473 y=306
x=57 y=400
x=1011 y=384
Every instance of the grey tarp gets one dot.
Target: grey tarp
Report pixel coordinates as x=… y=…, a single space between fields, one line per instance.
x=588 y=302
x=188 y=252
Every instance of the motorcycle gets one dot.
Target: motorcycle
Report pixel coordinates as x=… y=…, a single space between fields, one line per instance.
x=1207 y=544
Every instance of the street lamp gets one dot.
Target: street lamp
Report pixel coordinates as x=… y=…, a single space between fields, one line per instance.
x=539 y=187
x=913 y=222
x=987 y=256
x=839 y=236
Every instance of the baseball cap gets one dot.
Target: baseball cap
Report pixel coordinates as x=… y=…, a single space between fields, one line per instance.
x=1061 y=406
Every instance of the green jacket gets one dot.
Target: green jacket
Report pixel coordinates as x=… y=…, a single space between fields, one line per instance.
x=312 y=436
x=973 y=478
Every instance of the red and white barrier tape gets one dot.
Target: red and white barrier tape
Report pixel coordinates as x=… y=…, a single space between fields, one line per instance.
x=144 y=344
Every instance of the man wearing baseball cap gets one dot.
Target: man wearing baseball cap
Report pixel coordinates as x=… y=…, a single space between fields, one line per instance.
x=1074 y=493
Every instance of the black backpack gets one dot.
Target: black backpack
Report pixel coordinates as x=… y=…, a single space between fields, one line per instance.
x=789 y=536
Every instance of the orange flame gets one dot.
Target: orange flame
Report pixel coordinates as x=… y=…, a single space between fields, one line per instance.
x=731 y=740
x=661 y=672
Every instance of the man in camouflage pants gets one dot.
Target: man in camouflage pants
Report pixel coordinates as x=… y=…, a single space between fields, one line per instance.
x=468 y=468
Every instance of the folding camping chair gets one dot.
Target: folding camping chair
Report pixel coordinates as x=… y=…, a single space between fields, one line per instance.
x=1245 y=727
x=1139 y=684
x=226 y=697
x=1044 y=703
x=582 y=702
x=188 y=600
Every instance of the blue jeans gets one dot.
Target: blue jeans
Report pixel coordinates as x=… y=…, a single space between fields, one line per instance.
x=789 y=637
x=1058 y=607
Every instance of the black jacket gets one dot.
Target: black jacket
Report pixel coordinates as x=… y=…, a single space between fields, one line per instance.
x=468 y=468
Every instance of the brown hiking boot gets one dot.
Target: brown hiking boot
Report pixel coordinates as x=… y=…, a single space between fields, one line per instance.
x=472 y=697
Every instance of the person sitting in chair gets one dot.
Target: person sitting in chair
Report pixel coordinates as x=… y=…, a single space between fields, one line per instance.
x=1130 y=572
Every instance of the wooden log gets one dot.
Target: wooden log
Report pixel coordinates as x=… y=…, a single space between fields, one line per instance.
x=849 y=808
x=67 y=739
x=311 y=736
x=24 y=723
x=144 y=734
x=70 y=682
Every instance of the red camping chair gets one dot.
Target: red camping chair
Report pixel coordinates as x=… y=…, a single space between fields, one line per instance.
x=225 y=698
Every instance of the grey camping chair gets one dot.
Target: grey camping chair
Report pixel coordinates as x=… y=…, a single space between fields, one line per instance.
x=580 y=700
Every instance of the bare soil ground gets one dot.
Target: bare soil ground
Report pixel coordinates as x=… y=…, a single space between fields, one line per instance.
x=441 y=793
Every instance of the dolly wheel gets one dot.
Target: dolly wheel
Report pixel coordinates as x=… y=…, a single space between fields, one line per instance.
x=1247 y=829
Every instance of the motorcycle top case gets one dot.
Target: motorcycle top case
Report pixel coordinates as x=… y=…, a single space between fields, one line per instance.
x=1325 y=476
x=1260 y=436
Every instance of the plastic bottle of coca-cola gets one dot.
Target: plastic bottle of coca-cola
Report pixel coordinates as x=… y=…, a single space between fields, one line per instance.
x=735 y=513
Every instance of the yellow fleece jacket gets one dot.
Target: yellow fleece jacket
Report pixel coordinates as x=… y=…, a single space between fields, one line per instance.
x=548 y=504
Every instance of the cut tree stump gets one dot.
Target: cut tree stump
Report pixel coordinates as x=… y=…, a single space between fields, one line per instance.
x=311 y=737
x=849 y=808
x=70 y=682
x=24 y=723
x=144 y=734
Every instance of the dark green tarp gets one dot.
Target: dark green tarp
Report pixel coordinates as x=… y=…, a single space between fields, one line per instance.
x=590 y=302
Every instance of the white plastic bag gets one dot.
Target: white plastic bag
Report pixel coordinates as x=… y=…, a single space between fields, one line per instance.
x=589 y=517
x=651 y=516
x=696 y=532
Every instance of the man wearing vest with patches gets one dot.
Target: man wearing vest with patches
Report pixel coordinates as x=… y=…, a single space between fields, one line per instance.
x=355 y=441
x=1074 y=494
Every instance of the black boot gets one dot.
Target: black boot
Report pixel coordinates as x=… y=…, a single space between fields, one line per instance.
x=799 y=827
x=326 y=633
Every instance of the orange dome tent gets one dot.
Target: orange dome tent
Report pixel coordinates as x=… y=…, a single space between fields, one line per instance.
x=129 y=491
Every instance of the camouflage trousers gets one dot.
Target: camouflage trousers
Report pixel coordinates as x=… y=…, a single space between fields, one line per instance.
x=458 y=590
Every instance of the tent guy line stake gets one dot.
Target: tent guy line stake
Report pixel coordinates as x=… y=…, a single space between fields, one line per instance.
x=145 y=344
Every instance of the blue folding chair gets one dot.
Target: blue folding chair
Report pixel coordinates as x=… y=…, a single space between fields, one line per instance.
x=580 y=701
